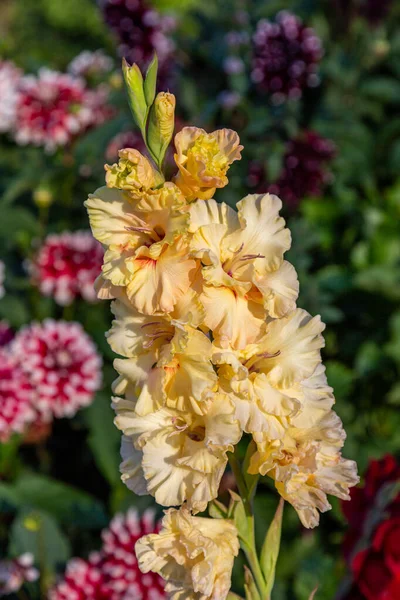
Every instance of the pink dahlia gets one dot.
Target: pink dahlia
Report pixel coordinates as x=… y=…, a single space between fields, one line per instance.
x=67 y=265
x=54 y=107
x=10 y=78
x=14 y=573
x=16 y=397
x=286 y=54
x=61 y=363
x=113 y=573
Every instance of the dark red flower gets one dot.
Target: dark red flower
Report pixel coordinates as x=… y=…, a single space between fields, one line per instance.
x=372 y=575
x=387 y=542
x=139 y=30
x=304 y=171
x=379 y=473
x=286 y=54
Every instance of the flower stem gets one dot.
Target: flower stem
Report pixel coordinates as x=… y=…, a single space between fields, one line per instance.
x=249 y=544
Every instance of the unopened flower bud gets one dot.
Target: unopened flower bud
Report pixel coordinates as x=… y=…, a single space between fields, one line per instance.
x=161 y=125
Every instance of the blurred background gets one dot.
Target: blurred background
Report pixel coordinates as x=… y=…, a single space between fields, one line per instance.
x=313 y=89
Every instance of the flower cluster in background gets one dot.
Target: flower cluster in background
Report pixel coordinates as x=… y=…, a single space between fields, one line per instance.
x=139 y=29
x=286 y=57
x=66 y=267
x=113 y=572
x=305 y=170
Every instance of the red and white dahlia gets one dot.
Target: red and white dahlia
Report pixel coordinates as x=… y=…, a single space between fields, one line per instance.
x=122 y=578
x=113 y=573
x=62 y=365
x=55 y=107
x=14 y=573
x=16 y=397
x=10 y=78
x=67 y=265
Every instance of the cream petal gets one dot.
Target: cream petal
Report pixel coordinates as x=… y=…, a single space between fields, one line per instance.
x=234 y=320
x=262 y=234
x=157 y=285
x=112 y=217
x=292 y=345
x=131 y=469
x=280 y=289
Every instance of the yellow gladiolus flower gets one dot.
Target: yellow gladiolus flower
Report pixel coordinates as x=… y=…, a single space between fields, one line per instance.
x=307 y=465
x=194 y=555
x=260 y=377
x=146 y=249
x=183 y=454
x=203 y=160
x=133 y=172
x=169 y=362
x=245 y=277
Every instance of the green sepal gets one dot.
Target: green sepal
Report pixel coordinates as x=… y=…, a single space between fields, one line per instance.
x=217 y=510
x=270 y=549
x=150 y=83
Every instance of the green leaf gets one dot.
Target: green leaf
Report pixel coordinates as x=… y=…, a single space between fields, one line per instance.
x=270 y=549
x=250 y=480
x=63 y=501
x=104 y=438
x=150 y=82
x=38 y=533
x=9 y=499
x=238 y=512
x=137 y=101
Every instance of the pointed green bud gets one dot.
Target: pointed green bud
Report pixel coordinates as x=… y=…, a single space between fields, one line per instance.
x=150 y=82
x=161 y=125
x=137 y=102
